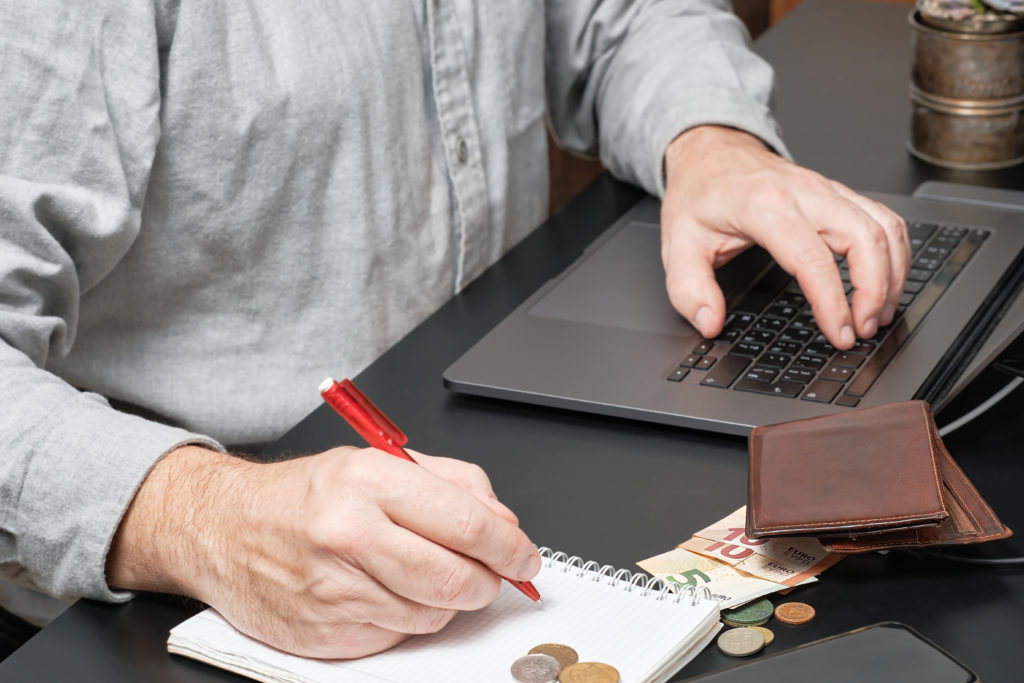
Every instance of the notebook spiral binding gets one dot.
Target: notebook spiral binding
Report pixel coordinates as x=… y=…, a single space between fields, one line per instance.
x=647 y=585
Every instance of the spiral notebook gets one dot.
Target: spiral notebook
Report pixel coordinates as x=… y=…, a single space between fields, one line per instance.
x=630 y=621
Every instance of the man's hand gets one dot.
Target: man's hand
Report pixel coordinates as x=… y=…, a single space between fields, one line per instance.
x=337 y=555
x=726 y=191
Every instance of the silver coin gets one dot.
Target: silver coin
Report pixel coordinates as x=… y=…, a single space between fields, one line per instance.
x=740 y=642
x=536 y=669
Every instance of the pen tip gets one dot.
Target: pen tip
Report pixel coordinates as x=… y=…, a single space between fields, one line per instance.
x=540 y=602
x=325 y=385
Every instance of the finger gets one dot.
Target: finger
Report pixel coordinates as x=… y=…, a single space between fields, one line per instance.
x=898 y=243
x=470 y=477
x=426 y=573
x=449 y=516
x=854 y=233
x=691 y=285
x=801 y=251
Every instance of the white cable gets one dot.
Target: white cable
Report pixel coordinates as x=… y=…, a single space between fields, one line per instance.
x=994 y=399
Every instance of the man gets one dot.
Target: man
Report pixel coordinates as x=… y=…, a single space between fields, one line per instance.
x=206 y=207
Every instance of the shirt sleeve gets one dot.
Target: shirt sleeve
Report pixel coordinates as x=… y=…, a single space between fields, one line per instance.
x=626 y=77
x=79 y=127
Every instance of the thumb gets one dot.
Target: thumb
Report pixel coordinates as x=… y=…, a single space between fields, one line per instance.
x=693 y=289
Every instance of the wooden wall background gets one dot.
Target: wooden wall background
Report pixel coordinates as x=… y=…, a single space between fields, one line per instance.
x=571 y=173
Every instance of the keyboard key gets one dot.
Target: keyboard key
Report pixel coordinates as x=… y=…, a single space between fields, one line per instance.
x=769 y=323
x=778 y=389
x=791 y=300
x=704 y=347
x=756 y=336
x=743 y=320
x=849 y=360
x=807 y=361
x=776 y=360
x=795 y=334
x=726 y=370
x=798 y=375
x=919 y=274
x=847 y=401
x=836 y=373
x=677 y=375
x=689 y=361
x=862 y=348
x=760 y=374
x=906 y=298
x=804 y=321
x=820 y=349
x=705 y=362
x=927 y=263
x=822 y=391
x=749 y=349
x=785 y=347
x=912 y=286
x=787 y=389
x=729 y=335
x=783 y=311
x=920 y=229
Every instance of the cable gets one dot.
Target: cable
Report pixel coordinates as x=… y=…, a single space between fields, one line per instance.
x=989 y=561
x=992 y=400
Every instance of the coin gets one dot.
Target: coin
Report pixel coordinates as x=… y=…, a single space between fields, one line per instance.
x=740 y=624
x=740 y=642
x=755 y=613
x=589 y=672
x=794 y=613
x=536 y=669
x=768 y=635
x=565 y=655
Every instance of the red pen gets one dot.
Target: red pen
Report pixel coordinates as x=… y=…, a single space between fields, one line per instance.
x=381 y=433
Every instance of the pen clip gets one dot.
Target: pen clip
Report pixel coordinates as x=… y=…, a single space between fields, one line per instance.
x=387 y=428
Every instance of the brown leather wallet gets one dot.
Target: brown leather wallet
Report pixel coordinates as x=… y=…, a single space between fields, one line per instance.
x=864 y=479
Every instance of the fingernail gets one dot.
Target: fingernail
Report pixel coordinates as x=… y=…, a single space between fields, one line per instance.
x=530 y=566
x=888 y=313
x=870 y=327
x=846 y=336
x=702 y=319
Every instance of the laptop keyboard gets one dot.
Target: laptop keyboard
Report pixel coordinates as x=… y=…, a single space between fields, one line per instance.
x=771 y=343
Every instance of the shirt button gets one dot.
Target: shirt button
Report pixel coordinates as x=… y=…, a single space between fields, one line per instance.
x=463 y=153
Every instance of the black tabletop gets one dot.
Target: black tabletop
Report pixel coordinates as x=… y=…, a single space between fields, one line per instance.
x=618 y=491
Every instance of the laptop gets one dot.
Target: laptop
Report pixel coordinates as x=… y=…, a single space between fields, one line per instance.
x=603 y=337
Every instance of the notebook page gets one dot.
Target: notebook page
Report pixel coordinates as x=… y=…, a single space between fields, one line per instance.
x=643 y=637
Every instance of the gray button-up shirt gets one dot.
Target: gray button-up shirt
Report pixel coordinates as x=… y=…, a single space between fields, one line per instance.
x=207 y=206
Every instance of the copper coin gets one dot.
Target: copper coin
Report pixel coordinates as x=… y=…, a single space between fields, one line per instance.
x=768 y=635
x=794 y=613
x=740 y=642
x=565 y=655
x=589 y=672
x=535 y=669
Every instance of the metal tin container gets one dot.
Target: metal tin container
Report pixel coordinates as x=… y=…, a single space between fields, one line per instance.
x=967 y=91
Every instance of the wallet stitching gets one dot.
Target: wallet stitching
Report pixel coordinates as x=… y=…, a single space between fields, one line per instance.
x=972 y=539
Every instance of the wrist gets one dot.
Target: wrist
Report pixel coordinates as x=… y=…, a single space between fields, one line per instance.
x=169 y=535
x=693 y=148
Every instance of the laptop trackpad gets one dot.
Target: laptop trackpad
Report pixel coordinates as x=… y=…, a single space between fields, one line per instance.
x=622 y=284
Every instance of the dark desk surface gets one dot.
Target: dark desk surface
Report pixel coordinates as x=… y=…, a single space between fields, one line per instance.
x=618 y=491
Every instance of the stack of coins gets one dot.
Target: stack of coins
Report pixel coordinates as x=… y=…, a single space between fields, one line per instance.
x=748 y=635
x=554 y=662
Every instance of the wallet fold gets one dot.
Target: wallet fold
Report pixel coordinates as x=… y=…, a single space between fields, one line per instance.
x=864 y=479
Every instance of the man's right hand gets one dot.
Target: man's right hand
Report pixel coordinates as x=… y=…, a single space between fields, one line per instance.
x=336 y=555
